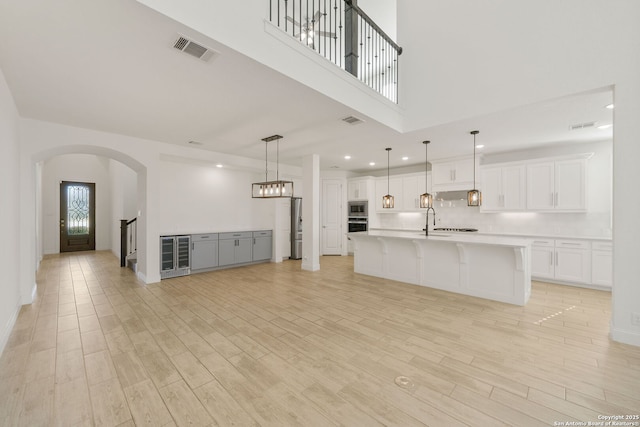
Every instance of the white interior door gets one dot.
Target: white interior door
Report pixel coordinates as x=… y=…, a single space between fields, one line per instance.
x=331 y=232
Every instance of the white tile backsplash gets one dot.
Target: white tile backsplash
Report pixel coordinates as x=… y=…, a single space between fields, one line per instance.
x=457 y=214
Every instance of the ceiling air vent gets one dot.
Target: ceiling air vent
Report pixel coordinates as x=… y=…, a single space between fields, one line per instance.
x=582 y=125
x=352 y=120
x=194 y=49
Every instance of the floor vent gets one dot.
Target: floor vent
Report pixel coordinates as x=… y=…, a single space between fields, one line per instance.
x=192 y=48
x=352 y=120
x=582 y=125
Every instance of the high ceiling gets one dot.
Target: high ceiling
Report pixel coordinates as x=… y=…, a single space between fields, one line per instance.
x=109 y=65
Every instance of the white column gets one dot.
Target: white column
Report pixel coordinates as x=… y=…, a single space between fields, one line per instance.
x=626 y=211
x=311 y=213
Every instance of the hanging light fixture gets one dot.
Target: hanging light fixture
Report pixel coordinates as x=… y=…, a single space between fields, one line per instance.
x=474 y=197
x=387 y=200
x=270 y=189
x=426 y=199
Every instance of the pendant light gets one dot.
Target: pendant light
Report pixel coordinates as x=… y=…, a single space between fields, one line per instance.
x=426 y=199
x=387 y=200
x=271 y=189
x=474 y=197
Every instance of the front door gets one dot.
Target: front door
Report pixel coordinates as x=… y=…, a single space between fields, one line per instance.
x=77 y=216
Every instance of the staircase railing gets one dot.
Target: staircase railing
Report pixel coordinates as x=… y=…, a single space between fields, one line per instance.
x=341 y=32
x=128 y=239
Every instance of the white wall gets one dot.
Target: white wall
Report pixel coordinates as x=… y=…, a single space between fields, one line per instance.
x=197 y=199
x=123 y=182
x=9 y=215
x=502 y=54
x=80 y=168
x=383 y=13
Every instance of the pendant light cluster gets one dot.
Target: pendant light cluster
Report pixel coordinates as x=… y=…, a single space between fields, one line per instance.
x=387 y=200
x=426 y=199
x=474 y=197
x=271 y=189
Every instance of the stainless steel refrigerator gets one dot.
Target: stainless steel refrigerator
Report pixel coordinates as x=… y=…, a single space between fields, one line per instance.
x=296 y=228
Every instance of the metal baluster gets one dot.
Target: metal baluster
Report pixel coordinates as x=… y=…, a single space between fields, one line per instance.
x=324 y=18
x=341 y=38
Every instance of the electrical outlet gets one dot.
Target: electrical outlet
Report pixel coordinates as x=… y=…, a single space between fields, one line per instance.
x=635 y=318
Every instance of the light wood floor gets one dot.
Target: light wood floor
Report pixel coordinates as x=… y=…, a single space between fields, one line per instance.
x=273 y=345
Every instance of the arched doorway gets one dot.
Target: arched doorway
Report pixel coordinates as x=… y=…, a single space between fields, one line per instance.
x=33 y=248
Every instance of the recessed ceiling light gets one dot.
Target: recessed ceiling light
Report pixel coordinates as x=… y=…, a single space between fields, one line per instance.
x=480 y=146
x=405 y=158
x=605 y=126
x=372 y=163
x=218 y=165
x=609 y=106
x=347 y=157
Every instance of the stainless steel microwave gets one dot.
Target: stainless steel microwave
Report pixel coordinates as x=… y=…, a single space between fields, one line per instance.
x=358 y=208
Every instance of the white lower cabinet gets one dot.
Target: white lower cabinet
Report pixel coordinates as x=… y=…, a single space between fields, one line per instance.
x=572 y=261
x=543 y=256
x=602 y=264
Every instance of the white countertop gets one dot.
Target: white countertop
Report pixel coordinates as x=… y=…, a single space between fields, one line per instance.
x=510 y=234
x=443 y=236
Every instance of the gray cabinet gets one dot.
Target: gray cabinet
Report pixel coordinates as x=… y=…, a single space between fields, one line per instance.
x=262 y=243
x=235 y=248
x=204 y=251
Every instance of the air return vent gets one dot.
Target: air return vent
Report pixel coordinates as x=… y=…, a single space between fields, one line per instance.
x=194 y=49
x=582 y=125
x=352 y=120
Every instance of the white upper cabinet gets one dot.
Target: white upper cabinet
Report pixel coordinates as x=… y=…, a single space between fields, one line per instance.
x=413 y=187
x=503 y=188
x=393 y=187
x=359 y=189
x=557 y=186
x=571 y=189
x=452 y=175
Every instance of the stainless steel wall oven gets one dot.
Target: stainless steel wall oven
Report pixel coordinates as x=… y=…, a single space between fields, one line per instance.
x=357 y=223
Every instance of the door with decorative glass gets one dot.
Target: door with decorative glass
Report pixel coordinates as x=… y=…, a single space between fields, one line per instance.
x=77 y=216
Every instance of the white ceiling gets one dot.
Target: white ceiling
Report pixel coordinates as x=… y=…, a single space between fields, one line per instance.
x=109 y=65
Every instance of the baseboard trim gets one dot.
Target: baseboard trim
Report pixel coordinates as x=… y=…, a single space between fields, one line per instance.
x=625 y=336
x=8 y=327
x=309 y=266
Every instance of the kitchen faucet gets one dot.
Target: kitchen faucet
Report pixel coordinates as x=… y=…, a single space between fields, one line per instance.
x=426 y=226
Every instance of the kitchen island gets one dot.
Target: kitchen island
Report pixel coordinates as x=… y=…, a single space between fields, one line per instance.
x=492 y=267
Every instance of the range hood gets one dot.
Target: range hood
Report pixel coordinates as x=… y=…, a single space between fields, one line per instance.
x=450 y=195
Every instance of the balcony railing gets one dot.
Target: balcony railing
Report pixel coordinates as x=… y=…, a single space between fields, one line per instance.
x=346 y=36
